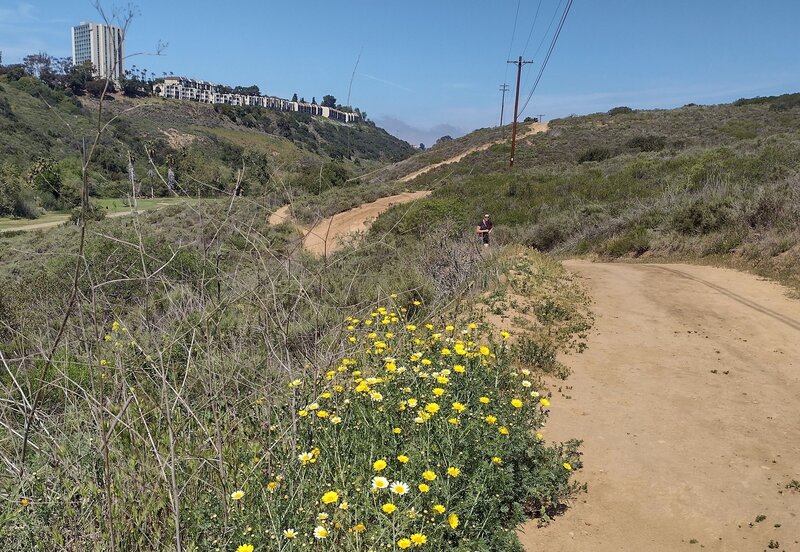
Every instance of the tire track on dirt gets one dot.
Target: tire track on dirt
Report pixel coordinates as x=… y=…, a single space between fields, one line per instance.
x=687 y=401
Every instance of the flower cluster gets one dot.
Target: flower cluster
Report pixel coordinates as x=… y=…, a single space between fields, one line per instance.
x=406 y=439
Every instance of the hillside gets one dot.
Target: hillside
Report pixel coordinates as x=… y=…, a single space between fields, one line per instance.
x=208 y=148
x=717 y=182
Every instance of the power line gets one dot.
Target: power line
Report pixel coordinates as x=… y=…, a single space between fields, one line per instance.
x=549 y=52
x=550 y=26
x=545 y=35
x=513 y=34
x=514 y=30
x=535 y=17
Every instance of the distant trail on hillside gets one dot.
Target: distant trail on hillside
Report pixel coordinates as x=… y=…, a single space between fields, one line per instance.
x=534 y=129
x=54 y=223
x=687 y=402
x=327 y=235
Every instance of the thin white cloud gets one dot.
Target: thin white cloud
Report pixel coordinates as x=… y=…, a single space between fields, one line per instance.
x=384 y=81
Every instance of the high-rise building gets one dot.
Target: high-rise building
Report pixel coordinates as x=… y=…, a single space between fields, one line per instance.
x=100 y=44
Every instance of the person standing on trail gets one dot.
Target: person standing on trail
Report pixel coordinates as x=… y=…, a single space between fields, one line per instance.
x=483 y=230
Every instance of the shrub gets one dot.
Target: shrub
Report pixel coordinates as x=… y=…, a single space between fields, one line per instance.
x=635 y=241
x=594 y=154
x=702 y=216
x=647 y=142
x=622 y=110
x=421 y=436
x=546 y=235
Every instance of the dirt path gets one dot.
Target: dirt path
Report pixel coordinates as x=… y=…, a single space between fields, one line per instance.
x=688 y=401
x=52 y=223
x=535 y=128
x=329 y=234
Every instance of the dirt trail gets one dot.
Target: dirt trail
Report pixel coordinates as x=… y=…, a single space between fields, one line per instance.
x=53 y=223
x=328 y=235
x=688 y=401
x=535 y=128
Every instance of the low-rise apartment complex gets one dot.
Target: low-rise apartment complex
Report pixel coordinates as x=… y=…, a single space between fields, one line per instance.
x=180 y=88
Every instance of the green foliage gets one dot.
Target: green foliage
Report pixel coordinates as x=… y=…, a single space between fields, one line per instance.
x=635 y=241
x=622 y=110
x=594 y=154
x=647 y=143
x=422 y=217
x=702 y=216
x=741 y=130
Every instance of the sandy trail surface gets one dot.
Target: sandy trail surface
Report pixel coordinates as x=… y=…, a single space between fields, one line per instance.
x=534 y=129
x=330 y=234
x=688 y=401
x=54 y=223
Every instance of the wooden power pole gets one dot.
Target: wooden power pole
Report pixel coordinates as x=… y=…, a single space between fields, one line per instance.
x=503 y=89
x=519 y=63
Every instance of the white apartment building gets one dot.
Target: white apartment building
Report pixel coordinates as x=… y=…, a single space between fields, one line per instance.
x=181 y=88
x=102 y=45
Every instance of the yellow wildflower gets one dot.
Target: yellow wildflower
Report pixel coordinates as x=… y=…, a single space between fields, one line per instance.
x=404 y=543
x=237 y=495
x=379 y=465
x=516 y=403
x=452 y=520
x=388 y=508
x=567 y=466
x=429 y=475
x=402 y=458
x=423 y=488
x=453 y=471
x=245 y=548
x=418 y=539
x=330 y=497
x=439 y=508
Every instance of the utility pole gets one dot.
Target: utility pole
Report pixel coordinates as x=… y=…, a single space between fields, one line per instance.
x=503 y=89
x=519 y=63
x=541 y=118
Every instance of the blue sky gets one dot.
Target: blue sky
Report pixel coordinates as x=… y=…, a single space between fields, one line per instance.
x=425 y=68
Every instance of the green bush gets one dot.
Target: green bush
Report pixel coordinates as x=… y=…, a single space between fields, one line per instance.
x=622 y=110
x=635 y=241
x=702 y=216
x=594 y=154
x=647 y=143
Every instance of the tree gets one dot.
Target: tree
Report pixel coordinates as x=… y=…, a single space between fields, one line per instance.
x=78 y=76
x=313 y=100
x=247 y=90
x=96 y=87
x=36 y=63
x=446 y=138
x=294 y=97
x=328 y=101
x=422 y=146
